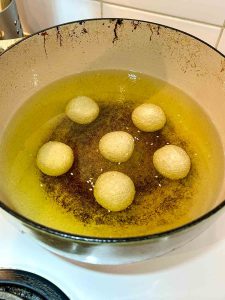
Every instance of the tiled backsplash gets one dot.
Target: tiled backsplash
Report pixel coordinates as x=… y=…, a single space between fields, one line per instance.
x=208 y=33
x=202 y=18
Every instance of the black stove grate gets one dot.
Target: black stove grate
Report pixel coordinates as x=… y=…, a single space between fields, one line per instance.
x=22 y=285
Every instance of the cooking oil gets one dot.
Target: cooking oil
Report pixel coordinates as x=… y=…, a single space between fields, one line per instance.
x=66 y=202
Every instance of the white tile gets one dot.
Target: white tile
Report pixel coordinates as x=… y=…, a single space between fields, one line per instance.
x=39 y=14
x=221 y=46
x=207 y=33
x=210 y=11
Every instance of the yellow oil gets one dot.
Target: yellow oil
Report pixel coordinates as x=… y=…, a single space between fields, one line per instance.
x=66 y=202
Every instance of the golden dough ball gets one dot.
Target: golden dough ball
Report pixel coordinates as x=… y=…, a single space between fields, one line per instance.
x=148 y=117
x=172 y=162
x=114 y=190
x=117 y=146
x=55 y=158
x=82 y=110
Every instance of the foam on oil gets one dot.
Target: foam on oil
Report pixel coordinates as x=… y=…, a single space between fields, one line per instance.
x=66 y=202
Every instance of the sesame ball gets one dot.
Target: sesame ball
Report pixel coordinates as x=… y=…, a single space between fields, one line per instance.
x=117 y=146
x=55 y=158
x=82 y=110
x=148 y=117
x=172 y=162
x=114 y=191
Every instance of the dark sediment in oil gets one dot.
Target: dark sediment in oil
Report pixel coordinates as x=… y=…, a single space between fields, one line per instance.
x=156 y=197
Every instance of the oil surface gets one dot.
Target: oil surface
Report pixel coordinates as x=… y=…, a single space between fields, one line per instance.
x=66 y=202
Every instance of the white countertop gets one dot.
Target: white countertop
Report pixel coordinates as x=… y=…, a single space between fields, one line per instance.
x=195 y=271
x=4 y=44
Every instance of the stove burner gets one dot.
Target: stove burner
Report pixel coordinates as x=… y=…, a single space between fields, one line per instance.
x=22 y=285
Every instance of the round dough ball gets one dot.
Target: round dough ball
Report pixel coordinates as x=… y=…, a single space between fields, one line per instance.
x=114 y=190
x=148 y=117
x=55 y=158
x=172 y=162
x=82 y=110
x=117 y=146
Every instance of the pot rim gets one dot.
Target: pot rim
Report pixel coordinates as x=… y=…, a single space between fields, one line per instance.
x=92 y=239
